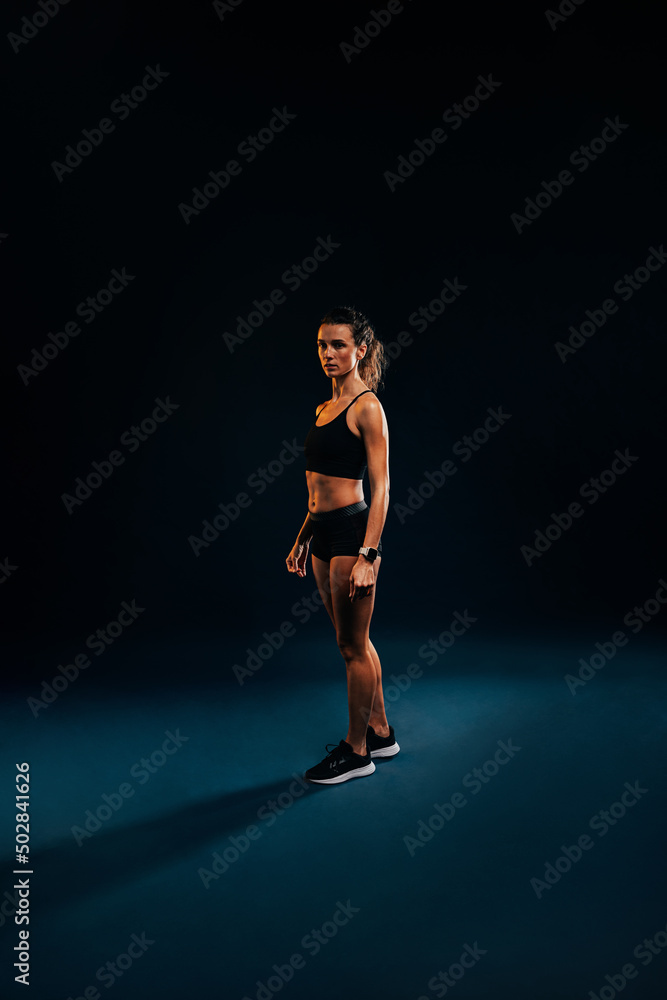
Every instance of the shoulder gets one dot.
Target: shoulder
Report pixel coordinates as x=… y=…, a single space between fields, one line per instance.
x=368 y=402
x=368 y=412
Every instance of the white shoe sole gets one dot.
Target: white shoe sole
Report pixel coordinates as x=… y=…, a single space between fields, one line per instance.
x=386 y=751
x=358 y=772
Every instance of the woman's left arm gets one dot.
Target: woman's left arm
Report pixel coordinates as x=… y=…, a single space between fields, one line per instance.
x=373 y=426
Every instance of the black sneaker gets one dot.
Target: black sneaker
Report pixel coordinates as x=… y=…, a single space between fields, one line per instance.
x=381 y=746
x=340 y=764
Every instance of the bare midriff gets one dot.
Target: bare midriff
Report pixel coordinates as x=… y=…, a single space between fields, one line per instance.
x=330 y=492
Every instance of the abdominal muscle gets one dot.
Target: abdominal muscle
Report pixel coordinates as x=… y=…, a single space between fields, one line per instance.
x=330 y=492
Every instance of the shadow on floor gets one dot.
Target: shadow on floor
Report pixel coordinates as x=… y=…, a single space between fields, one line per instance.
x=115 y=856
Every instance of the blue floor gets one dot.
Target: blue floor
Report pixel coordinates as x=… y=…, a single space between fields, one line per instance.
x=228 y=878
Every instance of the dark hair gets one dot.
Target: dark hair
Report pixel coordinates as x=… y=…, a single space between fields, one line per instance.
x=374 y=362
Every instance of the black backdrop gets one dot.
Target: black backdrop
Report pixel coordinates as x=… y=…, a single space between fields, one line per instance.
x=324 y=176
x=222 y=74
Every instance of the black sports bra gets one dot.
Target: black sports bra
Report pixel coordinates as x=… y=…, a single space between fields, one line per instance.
x=334 y=450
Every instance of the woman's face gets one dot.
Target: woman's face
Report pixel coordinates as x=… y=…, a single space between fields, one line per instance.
x=336 y=348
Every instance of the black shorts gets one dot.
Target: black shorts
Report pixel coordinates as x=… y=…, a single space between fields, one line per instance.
x=340 y=532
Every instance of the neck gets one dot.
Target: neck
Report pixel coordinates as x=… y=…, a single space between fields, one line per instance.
x=347 y=385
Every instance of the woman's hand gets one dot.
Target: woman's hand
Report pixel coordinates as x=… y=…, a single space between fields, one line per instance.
x=362 y=579
x=296 y=560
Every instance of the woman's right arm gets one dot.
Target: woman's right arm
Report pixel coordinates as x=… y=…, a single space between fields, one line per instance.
x=306 y=532
x=296 y=560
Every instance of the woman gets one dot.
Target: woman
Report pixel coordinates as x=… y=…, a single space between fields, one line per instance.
x=349 y=435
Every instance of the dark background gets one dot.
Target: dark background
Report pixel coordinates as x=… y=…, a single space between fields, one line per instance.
x=493 y=348
x=324 y=175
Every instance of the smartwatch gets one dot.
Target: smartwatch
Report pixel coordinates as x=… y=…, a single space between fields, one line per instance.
x=370 y=553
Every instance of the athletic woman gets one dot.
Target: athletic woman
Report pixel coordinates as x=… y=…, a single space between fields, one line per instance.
x=348 y=436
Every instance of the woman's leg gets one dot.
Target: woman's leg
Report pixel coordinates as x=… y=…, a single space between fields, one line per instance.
x=321 y=574
x=377 y=717
x=352 y=621
x=372 y=713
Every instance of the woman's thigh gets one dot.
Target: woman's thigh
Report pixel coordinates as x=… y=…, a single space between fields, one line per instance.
x=352 y=619
x=321 y=572
x=337 y=543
